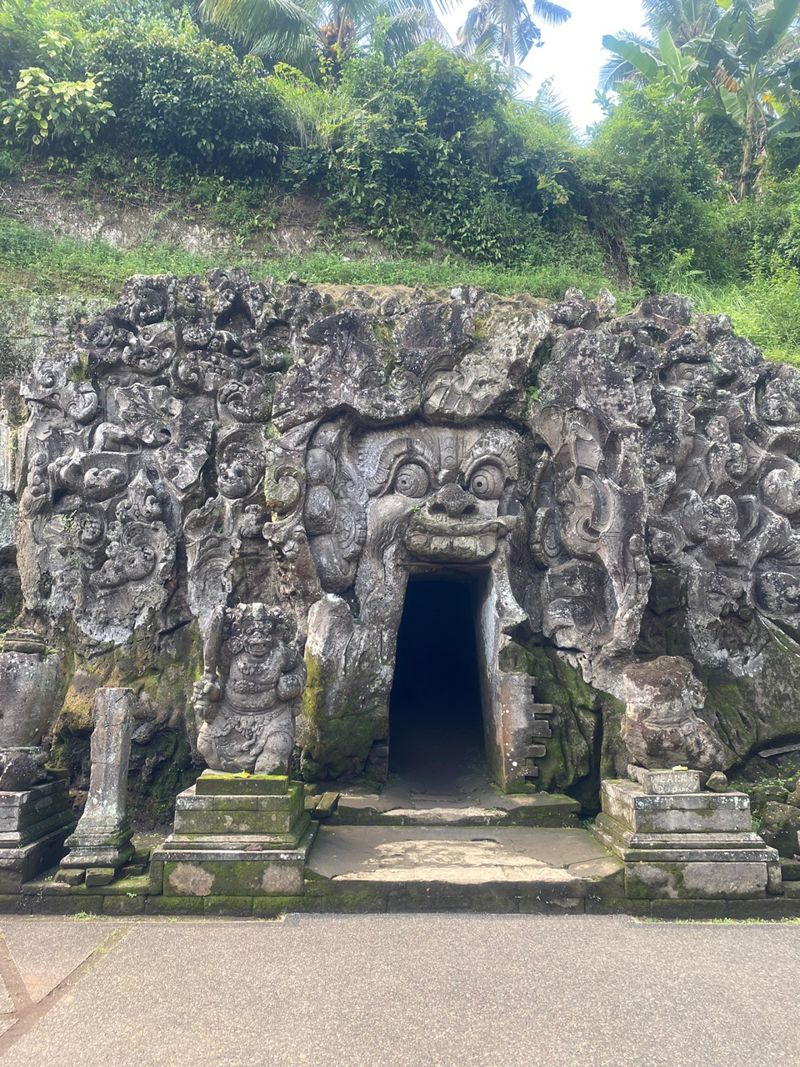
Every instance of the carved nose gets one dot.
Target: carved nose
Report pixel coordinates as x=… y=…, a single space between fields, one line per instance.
x=452 y=500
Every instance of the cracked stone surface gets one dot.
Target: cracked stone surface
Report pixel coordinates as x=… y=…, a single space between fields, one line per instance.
x=461 y=855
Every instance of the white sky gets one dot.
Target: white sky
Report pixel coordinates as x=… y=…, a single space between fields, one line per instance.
x=573 y=54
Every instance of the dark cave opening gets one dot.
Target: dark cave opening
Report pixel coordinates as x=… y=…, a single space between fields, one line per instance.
x=436 y=722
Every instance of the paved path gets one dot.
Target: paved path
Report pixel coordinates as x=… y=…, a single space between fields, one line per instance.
x=427 y=991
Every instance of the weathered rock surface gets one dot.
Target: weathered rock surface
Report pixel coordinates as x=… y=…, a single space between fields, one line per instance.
x=103 y=835
x=622 y=493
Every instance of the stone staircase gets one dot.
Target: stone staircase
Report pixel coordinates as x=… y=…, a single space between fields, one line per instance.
x=472 y=848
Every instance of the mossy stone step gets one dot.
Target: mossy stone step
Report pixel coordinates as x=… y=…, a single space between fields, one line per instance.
x=219 y=783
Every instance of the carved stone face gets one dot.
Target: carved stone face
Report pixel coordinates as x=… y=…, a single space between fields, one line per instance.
x=256 y=632
x=453 y=490
x=256 y=639
x=89 y=528
x=239 y=469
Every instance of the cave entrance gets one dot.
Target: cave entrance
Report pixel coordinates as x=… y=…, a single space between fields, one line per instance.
x=435 y=709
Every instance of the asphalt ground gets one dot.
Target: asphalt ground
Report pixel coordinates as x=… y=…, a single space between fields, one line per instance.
x=396 y=990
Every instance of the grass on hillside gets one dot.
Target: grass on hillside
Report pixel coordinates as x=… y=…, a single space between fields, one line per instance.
x=765 y=309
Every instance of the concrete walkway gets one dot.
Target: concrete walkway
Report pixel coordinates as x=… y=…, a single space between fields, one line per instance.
x=402 y=990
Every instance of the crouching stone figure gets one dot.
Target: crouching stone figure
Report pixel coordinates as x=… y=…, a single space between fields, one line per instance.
x=246 y=701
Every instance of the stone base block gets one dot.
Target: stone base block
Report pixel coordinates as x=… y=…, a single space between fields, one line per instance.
x=238 y=814
x=665 y=813
x=29 y=814
x=218 y=783
x=251 y=841
x=101 y=849
x=22 y=863
x=685 y=846
x=235 y=872
x=697 y=880
x=33 y=825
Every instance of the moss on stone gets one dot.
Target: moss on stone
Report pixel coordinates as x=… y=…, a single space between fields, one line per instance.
x=161 y=675
x=585 y=744
x=336 y=746
x=749 y=712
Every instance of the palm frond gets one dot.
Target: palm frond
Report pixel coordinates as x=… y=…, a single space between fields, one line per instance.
x=552 y=14
x=259 y=20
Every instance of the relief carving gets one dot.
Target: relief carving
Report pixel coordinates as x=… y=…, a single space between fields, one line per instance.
x=300 y=453
x=246 y=701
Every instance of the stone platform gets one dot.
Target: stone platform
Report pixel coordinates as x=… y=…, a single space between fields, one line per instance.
x=469 y=800
x=455 y=868
x=235 y=835
x=690 y=845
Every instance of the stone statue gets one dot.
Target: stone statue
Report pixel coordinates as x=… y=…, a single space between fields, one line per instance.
x=253 y=675
x=661 y=727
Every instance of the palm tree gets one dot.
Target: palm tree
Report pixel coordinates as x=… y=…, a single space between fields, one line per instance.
x=507 y=27
x=294 y=31
x=744 y=65
x=753 y=58
x=684 y=20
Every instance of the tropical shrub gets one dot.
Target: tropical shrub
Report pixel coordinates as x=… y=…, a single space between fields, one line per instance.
x=653 y=185
x=45 y=112
x=179 y=94
x=35 y=33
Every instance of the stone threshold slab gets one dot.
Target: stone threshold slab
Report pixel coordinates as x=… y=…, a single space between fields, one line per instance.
x=565 y=862
x=395 y=808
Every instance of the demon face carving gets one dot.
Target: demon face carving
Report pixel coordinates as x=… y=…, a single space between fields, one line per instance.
x=454 y=489
x=438 y=495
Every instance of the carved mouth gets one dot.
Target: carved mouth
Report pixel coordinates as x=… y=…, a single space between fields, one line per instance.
x=455 y=528
x=459 y=540
x=455 y=548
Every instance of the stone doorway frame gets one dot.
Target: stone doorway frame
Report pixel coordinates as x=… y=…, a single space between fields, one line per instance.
x=476 y=579
x=514 y=724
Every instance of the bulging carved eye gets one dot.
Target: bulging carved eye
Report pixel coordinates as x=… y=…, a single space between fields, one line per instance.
x=411 y=480
x=487 y=482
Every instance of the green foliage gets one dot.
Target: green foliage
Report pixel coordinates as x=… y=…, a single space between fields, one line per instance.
x=764 y=307
x=425 y=150
x=653 y=183
x=432 y=150
x=178 y=93
x=34 y=33
x=741 y=58
x=768 y=227
x=48 y=112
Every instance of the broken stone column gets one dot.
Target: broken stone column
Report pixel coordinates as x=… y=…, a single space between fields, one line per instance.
x=30 y=685
x=35 y=812
x=678 y=841
x=102 y=838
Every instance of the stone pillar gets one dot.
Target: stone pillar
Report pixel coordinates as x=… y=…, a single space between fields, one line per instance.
x=30 y=685
x=102 y=837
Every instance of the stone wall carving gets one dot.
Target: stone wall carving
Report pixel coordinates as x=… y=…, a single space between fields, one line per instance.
x=217 y=451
